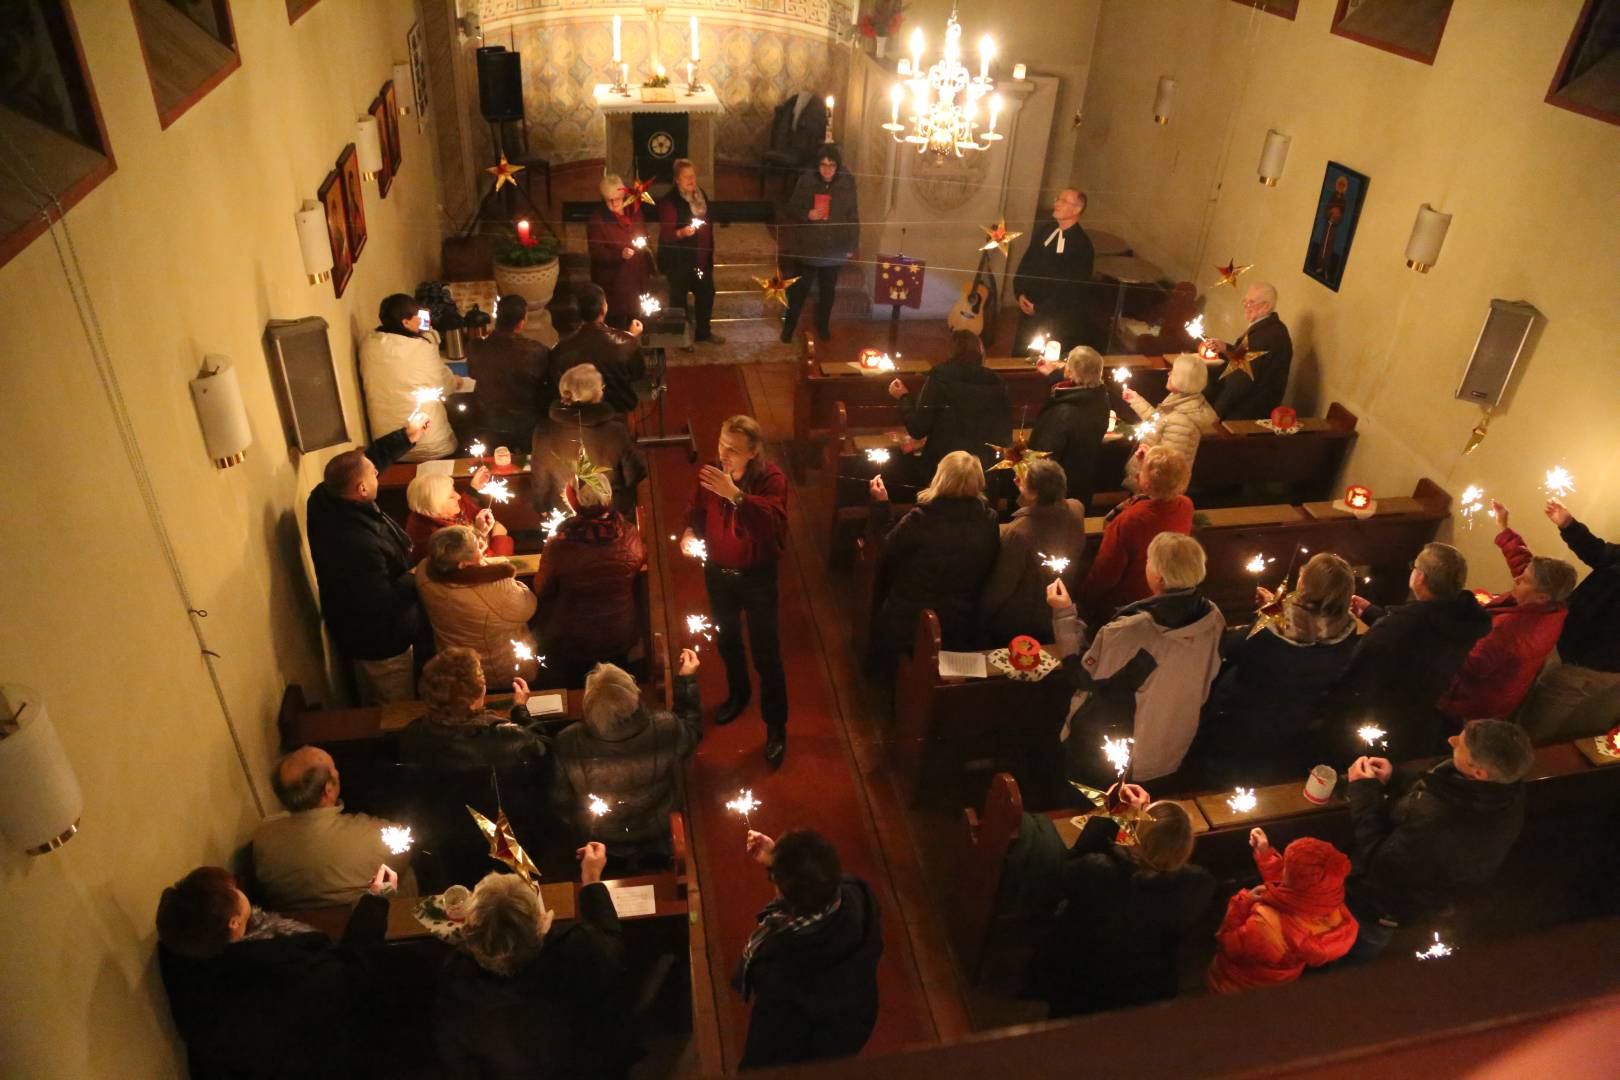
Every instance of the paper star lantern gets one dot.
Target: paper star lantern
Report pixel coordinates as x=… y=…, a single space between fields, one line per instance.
x=1240 y=358
x=503 y=846
x=504 y=173
x=1231 y=272
x=1017 y=456
x=999 y=237
x=775 y=287
x=637 y=190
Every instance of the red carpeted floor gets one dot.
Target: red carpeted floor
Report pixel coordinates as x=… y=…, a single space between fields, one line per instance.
x=818 y=785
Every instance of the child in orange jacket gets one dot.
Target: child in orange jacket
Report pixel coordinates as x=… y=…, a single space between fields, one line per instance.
x=1294 y=918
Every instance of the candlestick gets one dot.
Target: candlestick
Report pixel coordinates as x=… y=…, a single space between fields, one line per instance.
x=617 y=55
x=689 y=74
x=697 y=52
x=624 y=74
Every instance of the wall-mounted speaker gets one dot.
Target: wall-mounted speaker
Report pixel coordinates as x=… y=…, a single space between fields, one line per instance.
x=306 y=383
x=500 y=83
x=1501 y=340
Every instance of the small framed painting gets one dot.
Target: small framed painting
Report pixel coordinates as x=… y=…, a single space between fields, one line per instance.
x=385 y=175
x=391 y=104
x=354 y=200
x=419 y=73
x=337 y=230
x=1337 y=211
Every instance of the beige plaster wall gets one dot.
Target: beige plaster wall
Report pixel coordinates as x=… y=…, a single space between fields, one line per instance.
x=188 y=248
x=1532 y=188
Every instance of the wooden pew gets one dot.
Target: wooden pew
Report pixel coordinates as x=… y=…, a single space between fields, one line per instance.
x=1562 y=781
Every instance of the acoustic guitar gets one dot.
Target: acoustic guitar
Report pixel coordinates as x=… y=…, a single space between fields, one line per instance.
x=975 y=309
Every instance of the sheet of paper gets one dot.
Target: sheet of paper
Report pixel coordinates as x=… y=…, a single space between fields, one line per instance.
x=962 y=665
x=634 y=901
x=441 y=467
x=546 y=704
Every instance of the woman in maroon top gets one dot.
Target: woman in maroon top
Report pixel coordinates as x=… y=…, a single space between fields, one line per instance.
x=435 y=503
x=739 y=513
x=686 y=248
x=617 y=264
x=1118 y=575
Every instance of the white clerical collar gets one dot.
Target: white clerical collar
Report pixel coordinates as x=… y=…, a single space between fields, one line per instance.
x=1059 y=234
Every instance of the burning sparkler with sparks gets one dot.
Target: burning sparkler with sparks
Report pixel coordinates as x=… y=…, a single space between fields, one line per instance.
x=1472 y=502
x=554 y=521
x=1147 y=427
x=1121 y=376
x=878 y=456
x=1055 y=563
x=698 y=223
x=596 y=806
x=522 y=652
x=700 y=626
x=639 y=243
x=1437 y=950
x=1256 y=565
x=423 y=395
x=1195 y=328
x=1118 y=753
x=477 y=450
x=698 y=548
x=499 y=490
x=1372 y=735
x=1558 y=482
x=1037 y=344
x=744 y=804
x=397 y=838
x=1242 y=800
x=650 y=305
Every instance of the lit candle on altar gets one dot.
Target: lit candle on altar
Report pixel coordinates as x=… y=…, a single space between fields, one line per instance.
x=617 y=56
x=523 y=232
x=917 y=50
x=697 y=53
x=987 y=50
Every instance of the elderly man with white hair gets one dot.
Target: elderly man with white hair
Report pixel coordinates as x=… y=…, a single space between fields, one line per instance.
x=621 y=259
x=1166 y=650
x=1248 y=389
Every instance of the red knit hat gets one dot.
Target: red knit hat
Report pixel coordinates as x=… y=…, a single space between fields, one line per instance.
x=1313 y=877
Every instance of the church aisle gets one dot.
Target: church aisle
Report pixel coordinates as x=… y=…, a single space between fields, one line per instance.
x=818 y=785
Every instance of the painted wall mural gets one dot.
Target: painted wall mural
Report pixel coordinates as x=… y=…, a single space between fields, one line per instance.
x=754 y=54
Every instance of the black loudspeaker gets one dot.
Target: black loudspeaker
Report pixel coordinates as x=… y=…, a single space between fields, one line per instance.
x=500 y=83
x=1501 y=341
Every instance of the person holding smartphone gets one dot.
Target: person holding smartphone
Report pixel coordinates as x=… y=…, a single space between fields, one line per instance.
x=823 y=229
x=399 y=358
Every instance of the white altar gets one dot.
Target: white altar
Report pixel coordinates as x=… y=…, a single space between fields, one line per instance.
x=701 y=107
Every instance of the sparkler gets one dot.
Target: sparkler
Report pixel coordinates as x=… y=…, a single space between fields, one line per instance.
x=1148 y=427
x=639 y=243
x=699 y=550
x=698 y=223
x=650 y=305
x=1037 y=344
x=422 y=395
x=700 y=626
x=1473 y=501
x=885 y=362
x=554 y=521
x=1195 y=328
x=477 y=449
x=597 y=807
x=1121 y=375
x=1055 y=563
x=1242 y=800
x=1372 y=735
x=499 y=490
x=397 y=838
x=1256 y=565
x=743 y=804
x=523 y=652
x=1118 y=753
x=1558 y=482
x=878 y=456
x=1435 y=951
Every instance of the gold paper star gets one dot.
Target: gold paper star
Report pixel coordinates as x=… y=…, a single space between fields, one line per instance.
x=1240 y=358
x=503 y=846
x=1017 y=456
x=1231 y=272
x=999 y=236
x=637 y=190
x=775 y=287
x=504 y=173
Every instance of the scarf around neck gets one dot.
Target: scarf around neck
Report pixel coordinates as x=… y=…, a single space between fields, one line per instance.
x=775 y=922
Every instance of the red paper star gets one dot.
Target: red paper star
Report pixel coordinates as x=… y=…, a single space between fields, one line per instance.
x=637 y=191
x=1231 y=272
x=504 y=173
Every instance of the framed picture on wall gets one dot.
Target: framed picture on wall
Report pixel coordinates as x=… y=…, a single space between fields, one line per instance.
x=391 y=104
x=385 y=175
x=354 y=200
x=1337 y=210
x=419 y=73
x=337 y=230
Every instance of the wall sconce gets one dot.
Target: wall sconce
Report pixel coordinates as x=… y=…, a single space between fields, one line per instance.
x=368 y=147
x=1273 y=156
x=1428 y=233
x=404 y=88
x=40 y=800
x=1020 y=72
x=224 y=419
x=313 y=243
x=1162 y=100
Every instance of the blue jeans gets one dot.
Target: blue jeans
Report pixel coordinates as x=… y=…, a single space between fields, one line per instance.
x=1373 y=938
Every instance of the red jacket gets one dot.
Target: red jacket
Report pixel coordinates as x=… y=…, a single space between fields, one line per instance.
x=1504 y=663
x=753 y=534
x=587 y=588
x=420 y=528
x=1118 y=575
x=1296 y=917
x=624 y=280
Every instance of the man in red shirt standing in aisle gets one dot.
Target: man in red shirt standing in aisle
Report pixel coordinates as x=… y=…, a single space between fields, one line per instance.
x=739 y=514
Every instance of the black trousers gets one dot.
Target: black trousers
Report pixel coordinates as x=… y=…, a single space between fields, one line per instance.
x=687 y=280
x=733 y=594
x=825 y=279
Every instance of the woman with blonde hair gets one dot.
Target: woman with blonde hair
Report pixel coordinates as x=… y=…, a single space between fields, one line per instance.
x=1263 y=721
x=1118 y=574
x=1183 y=416
x=621 y=260
x=477 y=603
x=435 y=504
x=1125 y=907
x=936 y=557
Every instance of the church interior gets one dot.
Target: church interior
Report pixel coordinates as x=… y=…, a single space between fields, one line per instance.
x=868 y=225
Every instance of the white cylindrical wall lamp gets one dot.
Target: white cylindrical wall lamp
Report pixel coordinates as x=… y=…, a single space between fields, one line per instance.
x=1428 y=233
x=224 y=419
x=404 y=90
x=313 y=242
x=1163 y=99
x=40 y=800
x=368 y=146
x=1273 y=156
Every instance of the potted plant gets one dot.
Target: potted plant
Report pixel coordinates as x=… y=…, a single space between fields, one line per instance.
x=526 y=264
x=883 y=23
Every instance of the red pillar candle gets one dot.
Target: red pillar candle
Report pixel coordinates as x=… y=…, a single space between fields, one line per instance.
x=523 y=233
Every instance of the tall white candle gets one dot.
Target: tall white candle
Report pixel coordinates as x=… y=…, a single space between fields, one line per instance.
x=917 y=50
x=896 y=93
x=617 y=55
x=697 y=53
x=987 y=49
x=995 y=109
